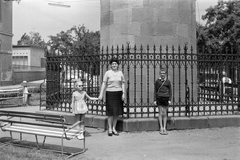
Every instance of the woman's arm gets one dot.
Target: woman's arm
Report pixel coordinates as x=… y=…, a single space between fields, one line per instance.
x=72 y=104
x=103 y=87
x=100 y=97
x=123 y=88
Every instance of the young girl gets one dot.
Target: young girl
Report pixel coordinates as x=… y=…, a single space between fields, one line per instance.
x=79 y=106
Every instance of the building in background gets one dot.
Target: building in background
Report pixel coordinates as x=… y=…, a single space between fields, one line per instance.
x=5 y=42
x=28 y=57
x=28 y=63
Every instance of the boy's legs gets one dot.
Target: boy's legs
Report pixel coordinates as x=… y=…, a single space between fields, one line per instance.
x=164 y=115
x=160 y=120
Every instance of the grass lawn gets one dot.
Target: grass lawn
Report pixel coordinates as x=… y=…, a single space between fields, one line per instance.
x=9 y=152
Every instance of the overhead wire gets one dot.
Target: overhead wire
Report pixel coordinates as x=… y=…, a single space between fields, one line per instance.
x=79 y=1
x=46 y=14
x=51 y=15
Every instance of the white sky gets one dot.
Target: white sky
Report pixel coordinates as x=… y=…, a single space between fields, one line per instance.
x=38 y=16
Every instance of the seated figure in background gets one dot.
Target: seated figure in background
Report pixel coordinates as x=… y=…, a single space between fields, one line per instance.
x=226 y=85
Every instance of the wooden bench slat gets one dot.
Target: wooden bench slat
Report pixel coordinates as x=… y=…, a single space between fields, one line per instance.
x=29 y=113
x=35 y=116
x=41 y=132
x=37 y=133
x=10 y=98
x=4 y=93
x=33 y=123
x=11 y=90
x=49 y=119
x=6 y=98
x=33 y=127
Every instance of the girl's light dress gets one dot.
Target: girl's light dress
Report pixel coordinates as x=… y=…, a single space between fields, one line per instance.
x=79 y=105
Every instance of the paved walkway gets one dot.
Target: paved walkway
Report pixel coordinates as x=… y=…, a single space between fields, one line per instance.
x=197 y=144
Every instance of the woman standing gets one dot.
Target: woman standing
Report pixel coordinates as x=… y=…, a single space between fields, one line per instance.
x=113 y=83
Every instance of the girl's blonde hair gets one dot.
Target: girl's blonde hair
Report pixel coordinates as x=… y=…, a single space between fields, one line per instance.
x=77 y=81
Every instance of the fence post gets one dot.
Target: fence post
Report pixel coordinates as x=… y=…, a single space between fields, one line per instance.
x=187 y=108
x=128 y=81
x=238 y=82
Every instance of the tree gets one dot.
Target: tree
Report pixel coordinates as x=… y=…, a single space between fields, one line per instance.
x=77 y=39
x=33 y=39
x=222 y=28
x=62 y=42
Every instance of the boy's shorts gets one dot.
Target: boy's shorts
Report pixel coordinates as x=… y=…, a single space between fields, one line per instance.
x=162 y=101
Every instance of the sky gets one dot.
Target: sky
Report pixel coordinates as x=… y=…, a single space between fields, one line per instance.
x=39 y=16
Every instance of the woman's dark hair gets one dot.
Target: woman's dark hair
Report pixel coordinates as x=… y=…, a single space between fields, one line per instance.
x=114 y=59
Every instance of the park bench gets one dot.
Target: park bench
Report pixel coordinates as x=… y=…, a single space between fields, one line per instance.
x=11 y=94
x=40 y=124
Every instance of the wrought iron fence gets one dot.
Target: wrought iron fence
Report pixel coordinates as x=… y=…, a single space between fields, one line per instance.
x=196 y=79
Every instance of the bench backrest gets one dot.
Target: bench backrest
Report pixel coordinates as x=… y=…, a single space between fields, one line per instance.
x=11 y=93
x=53 y=120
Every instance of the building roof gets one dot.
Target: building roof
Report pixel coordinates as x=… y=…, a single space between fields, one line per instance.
x=27 y=46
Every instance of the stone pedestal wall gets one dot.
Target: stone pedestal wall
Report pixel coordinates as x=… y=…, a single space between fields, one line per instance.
x=142 y=22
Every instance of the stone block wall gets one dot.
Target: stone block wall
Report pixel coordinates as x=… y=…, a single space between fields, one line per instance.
x=150 y=22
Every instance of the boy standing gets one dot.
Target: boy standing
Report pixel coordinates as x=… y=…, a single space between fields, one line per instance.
x=162 y=98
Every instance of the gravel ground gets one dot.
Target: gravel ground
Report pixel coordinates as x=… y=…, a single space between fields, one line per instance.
x=197 y=144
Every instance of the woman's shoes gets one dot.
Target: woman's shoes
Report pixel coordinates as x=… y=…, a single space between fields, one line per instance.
x=165 y=132
x=115 y=133
x=110 y=134
x=161 y=132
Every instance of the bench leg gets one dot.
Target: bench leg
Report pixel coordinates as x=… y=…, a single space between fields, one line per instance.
x=11 y=135
x=37 y=142
x=20 y=136
x=76 y=153
x=62 y=146
x=84 y=140
x=44 y=139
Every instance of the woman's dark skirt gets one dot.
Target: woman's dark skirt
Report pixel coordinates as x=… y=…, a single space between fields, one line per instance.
x=114 y=103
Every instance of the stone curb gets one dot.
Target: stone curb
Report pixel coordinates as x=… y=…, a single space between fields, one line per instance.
x=151 y=124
